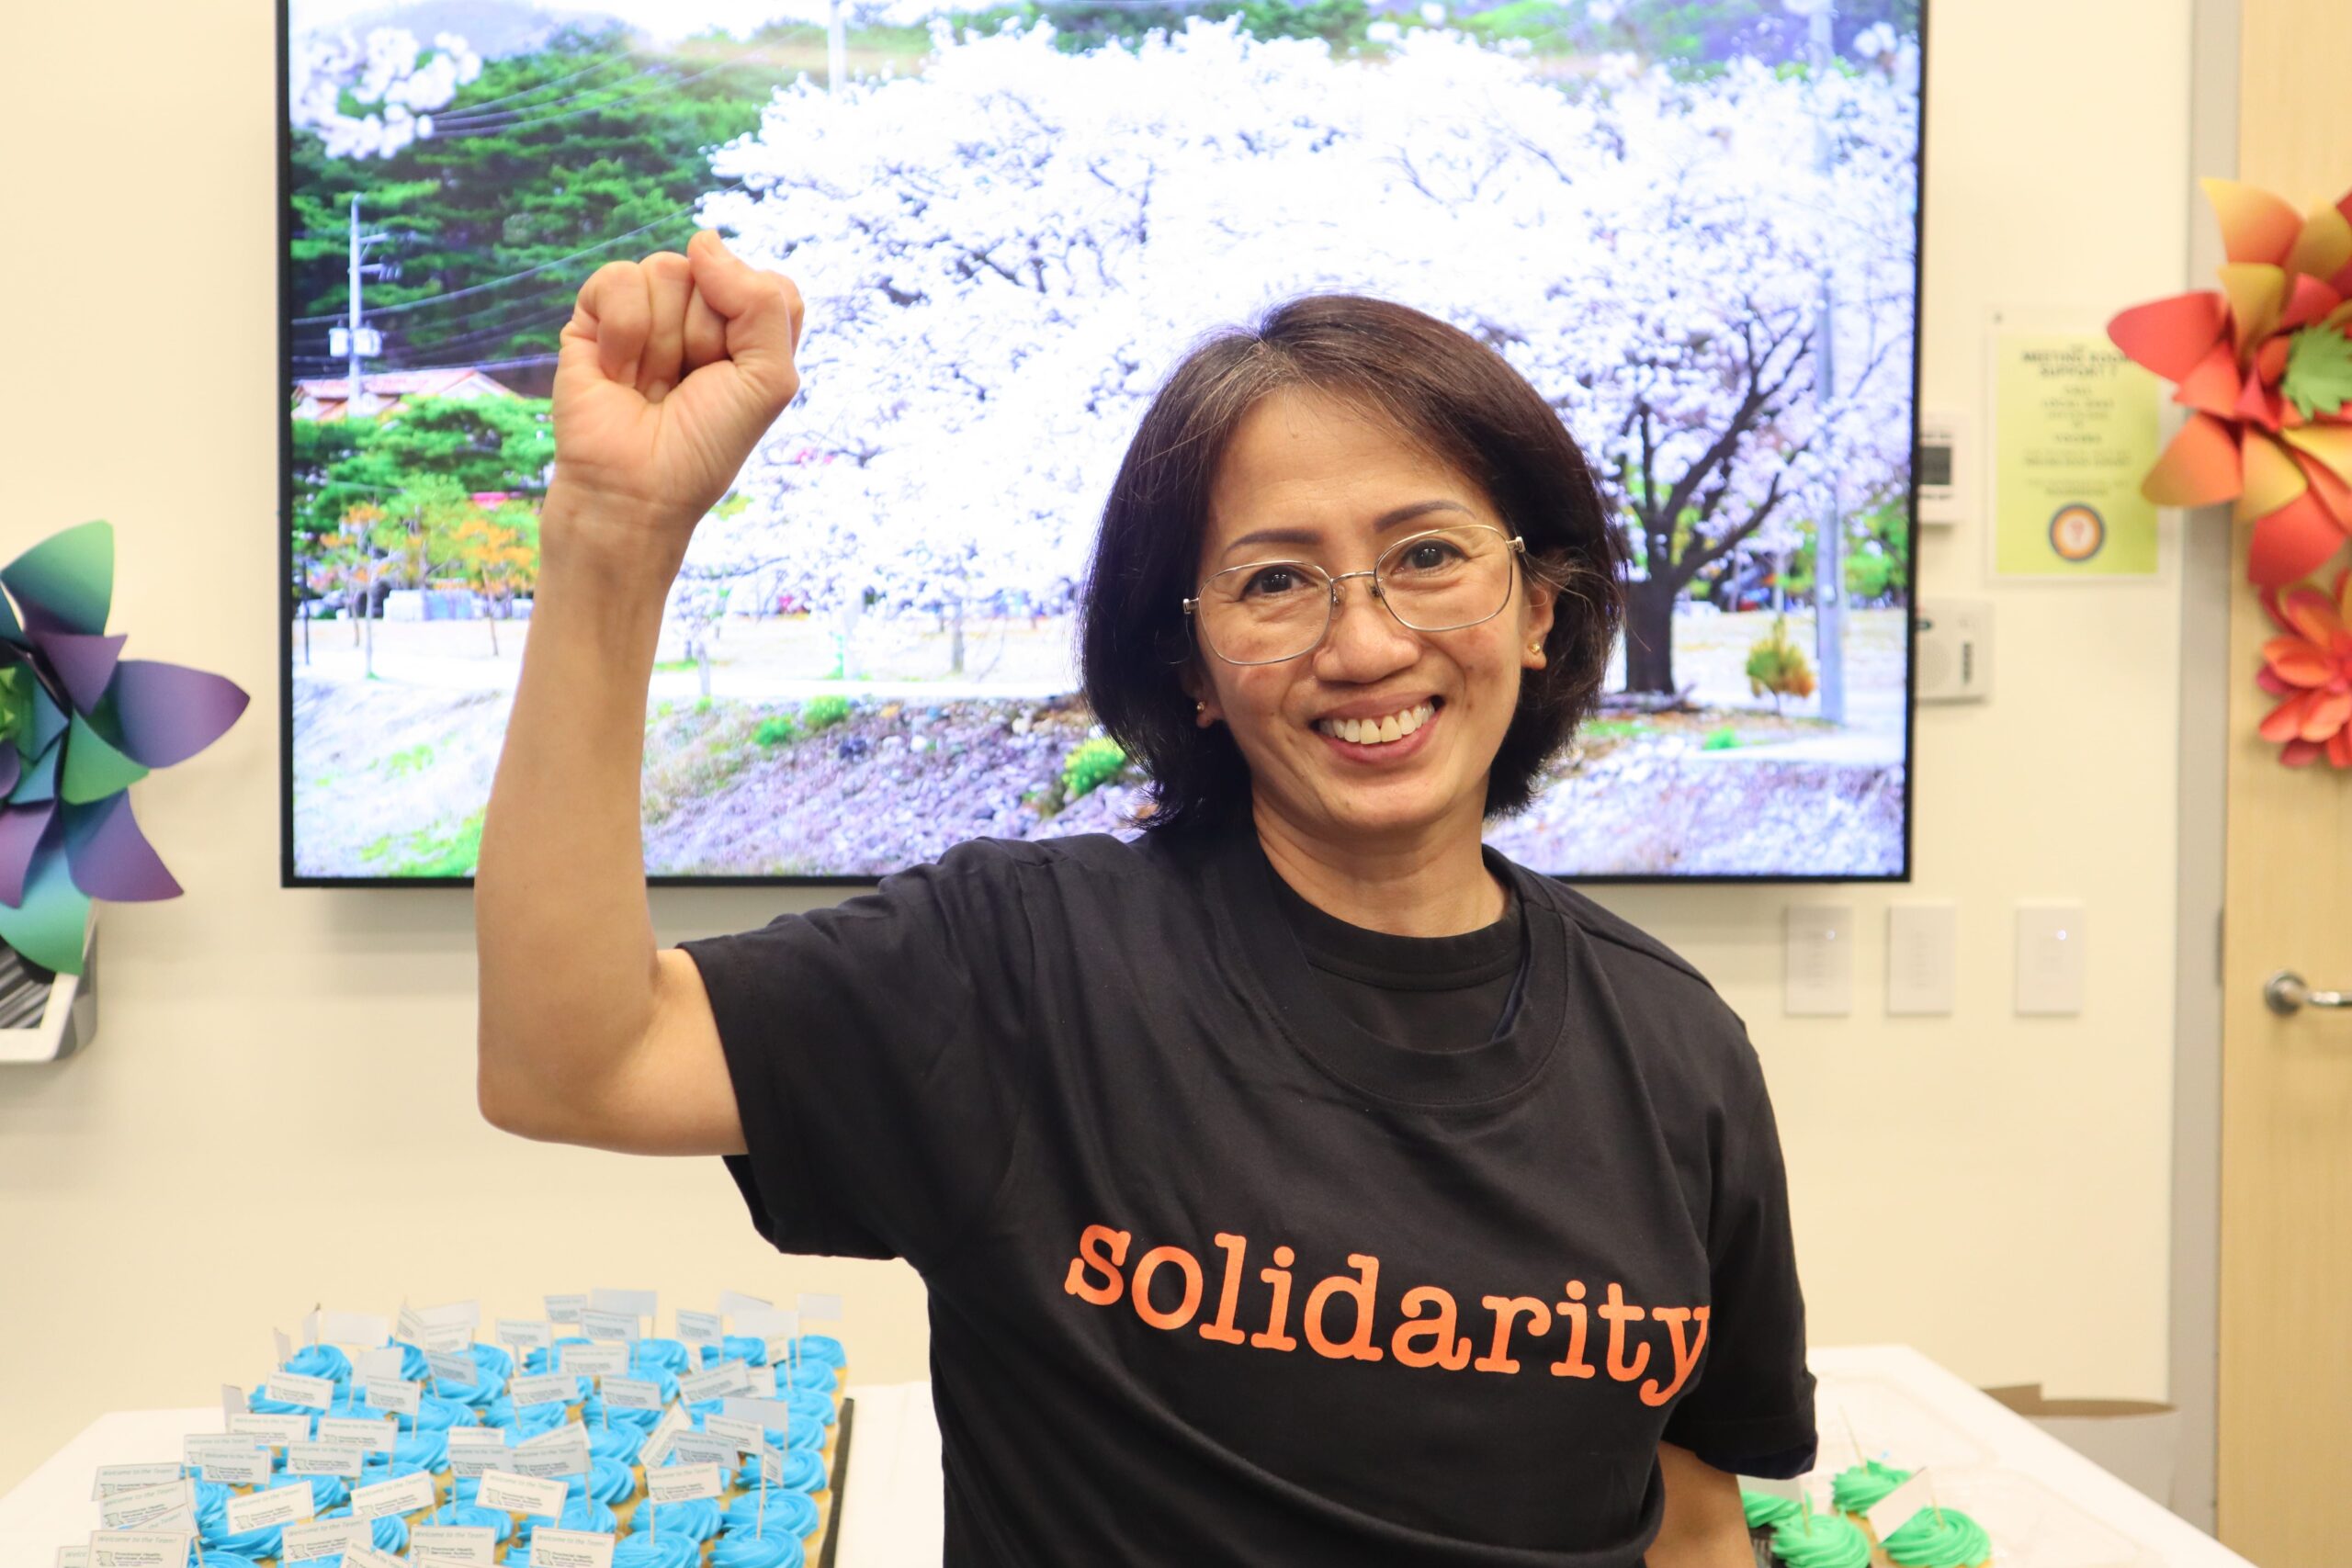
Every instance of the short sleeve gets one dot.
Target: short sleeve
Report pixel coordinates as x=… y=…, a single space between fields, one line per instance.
x=878 y=1053
x=1751 y=1410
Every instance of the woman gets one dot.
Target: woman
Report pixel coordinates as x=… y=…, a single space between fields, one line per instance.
x=1302 y=1184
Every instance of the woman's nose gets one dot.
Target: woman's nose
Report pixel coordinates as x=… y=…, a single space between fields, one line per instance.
x=1363 y=635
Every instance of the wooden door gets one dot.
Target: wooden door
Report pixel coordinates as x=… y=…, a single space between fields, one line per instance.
x=2284 y=1416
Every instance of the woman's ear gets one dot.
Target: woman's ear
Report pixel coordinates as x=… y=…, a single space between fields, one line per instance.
x=1542 y=598
x=1195 y=682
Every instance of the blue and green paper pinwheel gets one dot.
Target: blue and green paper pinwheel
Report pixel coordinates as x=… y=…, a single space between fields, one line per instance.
x=79 y=725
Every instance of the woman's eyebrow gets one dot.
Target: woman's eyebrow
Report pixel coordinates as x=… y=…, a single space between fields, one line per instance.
x=1387 y=519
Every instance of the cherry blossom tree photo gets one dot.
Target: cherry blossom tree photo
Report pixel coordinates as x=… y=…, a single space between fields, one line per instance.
x=1694 y=234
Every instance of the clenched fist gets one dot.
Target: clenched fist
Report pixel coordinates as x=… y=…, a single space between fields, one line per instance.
x=669 y=372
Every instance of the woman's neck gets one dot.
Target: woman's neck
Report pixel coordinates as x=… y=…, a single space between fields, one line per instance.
x=1430 y=882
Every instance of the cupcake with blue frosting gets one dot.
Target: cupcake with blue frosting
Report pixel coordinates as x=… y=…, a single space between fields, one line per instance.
x=543 y=1358
x=819 y=1348
x=804 y=1472
x=773 y=1550
x=414 y=1368
x=698 y=1517
x=613 y=1484
x=665 y=1355
x=622 y=1443
x=645 y=1551
x=321 y=1362
x=793 y=1514
x=491 y=1360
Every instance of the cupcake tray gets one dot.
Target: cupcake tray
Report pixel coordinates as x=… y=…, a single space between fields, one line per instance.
x=2032 y=1526
x=827 y=1538
x=1862 y=1417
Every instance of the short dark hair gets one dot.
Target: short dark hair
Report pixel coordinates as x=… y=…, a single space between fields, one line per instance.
x=1438 y=387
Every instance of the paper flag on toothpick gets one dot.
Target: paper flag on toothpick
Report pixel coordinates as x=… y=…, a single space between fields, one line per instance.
x=1891 y=1512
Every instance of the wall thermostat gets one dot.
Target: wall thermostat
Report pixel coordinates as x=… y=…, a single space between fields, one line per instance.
x=1955 y=651
x=1944 y=446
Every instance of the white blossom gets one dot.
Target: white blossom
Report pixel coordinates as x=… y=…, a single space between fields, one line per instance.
x=1004 y=255
x=389 y=67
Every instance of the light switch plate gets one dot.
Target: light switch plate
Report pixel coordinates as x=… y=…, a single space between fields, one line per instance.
x=1922 y=958
x=1818 y=981
x=2050 y=958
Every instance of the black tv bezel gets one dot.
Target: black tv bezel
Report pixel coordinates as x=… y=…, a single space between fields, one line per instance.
x=288 y=877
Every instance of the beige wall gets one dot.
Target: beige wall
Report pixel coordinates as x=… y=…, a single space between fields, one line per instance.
x=279 y=1107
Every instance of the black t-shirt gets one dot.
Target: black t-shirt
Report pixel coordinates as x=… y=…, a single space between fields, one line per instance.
x=1217 y=1273
x=1433 y=993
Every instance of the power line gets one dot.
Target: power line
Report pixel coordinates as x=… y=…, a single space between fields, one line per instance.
x=338 y=317
x=469 y=365
x=524 y=122
x=471 y=120
x=543 y=86
x=455 y=324
x=464 y=341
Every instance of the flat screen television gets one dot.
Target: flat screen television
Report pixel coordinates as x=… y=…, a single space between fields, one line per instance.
x=1693 y=227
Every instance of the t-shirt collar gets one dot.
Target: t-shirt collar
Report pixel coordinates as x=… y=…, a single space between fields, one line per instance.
x=1245 y=896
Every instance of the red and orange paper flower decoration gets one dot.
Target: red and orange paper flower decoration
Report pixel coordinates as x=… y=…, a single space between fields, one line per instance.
x=2265 y=365
x=2310 y=667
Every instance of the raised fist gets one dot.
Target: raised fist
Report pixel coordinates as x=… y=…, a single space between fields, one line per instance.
x=669 y=372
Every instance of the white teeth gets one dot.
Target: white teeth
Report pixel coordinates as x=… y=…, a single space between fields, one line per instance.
x=1378 y=732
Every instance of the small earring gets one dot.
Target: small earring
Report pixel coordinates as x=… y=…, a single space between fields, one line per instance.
x=1200 y=708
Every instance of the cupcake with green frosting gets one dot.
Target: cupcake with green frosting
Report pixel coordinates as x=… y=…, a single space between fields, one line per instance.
x=1853 y=1493
x=1859 y=1490
x=1821 y=1540
x=1764 y=1512
x=1940 y=1538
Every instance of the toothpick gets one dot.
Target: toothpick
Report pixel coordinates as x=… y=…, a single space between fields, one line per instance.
x=1861 y=1457
x=1804 y=1511
x=1932 y=1506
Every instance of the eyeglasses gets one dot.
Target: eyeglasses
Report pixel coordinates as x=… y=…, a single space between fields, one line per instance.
x=1267 y=611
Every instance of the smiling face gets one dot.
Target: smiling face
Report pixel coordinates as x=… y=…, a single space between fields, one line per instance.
x=1332 y=488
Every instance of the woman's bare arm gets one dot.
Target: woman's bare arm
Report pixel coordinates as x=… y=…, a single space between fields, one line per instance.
x=671 y=371
x=1705 y=1525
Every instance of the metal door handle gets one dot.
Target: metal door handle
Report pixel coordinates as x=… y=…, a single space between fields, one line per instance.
x=2287 y=994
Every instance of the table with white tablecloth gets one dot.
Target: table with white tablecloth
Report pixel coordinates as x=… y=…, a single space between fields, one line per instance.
x=2044 y=1504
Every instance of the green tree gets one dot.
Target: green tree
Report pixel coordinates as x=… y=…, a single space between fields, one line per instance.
x=576 y=142
x=1878 y=555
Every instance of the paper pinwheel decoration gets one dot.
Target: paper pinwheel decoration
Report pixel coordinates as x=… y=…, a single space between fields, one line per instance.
x=79 y=725
x=2310 y=667
x=2265 y=365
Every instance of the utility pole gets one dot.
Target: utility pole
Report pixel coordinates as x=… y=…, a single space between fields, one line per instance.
x=351 y=343
x=1829 y=527
x=836 y=45
x=356 y=340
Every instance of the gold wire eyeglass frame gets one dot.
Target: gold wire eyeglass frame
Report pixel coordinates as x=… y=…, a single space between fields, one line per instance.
x=1331 y=584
